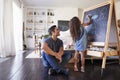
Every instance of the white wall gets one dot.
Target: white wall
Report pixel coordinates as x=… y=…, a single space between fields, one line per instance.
x=80 y=13
x=118 y=9
x=65 y=13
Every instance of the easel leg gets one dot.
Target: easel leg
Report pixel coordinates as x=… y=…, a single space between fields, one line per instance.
x=119 y=57
x=102 y=71
x=103 y=65
x=91 y=60
x=40 y=51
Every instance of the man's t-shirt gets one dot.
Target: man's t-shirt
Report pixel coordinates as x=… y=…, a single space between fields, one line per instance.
x=54 y=44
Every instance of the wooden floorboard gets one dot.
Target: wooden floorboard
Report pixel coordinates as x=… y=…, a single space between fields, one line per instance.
x=21 y=68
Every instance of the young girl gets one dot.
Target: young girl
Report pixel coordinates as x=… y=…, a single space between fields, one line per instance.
x=79 y=37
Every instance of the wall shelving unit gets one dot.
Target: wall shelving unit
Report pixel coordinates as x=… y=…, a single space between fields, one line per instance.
x=37 y=21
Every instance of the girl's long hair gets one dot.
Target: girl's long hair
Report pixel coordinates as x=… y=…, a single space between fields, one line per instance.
x=74 y=26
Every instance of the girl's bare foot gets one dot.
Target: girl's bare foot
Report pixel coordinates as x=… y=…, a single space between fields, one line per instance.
x=82 y=69
x=75 y=68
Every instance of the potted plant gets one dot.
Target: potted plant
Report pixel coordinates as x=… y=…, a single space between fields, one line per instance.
x=44 y=36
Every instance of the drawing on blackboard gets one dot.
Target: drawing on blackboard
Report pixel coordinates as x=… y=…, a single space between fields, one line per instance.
x=63 y=25
x=97 y=30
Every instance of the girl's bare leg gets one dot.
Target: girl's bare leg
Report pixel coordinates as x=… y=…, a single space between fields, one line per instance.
x=83 y=53
x=76 y=59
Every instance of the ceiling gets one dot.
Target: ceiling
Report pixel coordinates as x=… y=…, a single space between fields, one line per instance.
x=63 y=3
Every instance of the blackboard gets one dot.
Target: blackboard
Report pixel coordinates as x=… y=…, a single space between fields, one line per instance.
x=97 y=30
x=63 y=25
x=113 y=30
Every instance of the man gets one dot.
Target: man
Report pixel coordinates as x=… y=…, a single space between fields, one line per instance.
x=53 y=55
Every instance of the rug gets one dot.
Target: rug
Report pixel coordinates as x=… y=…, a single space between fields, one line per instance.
x=33 y=55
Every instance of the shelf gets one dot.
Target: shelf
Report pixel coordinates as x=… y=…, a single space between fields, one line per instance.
x=29 y=16
x=101 y=53
x=29 y=30
x=39 y=29
x=37 y=21
x=50 y=16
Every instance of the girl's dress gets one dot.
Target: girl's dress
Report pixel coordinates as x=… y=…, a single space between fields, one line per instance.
x=81 y=43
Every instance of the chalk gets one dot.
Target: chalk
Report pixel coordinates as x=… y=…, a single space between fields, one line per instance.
x=94 y=17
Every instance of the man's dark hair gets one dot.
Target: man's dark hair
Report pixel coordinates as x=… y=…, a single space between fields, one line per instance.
x=51 y=29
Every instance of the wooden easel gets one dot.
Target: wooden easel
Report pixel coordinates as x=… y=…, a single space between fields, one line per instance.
x=108 y=43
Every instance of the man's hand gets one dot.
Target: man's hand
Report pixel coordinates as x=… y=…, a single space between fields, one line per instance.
x=59 y=57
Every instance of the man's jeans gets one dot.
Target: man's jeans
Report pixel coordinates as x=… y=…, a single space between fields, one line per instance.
x=51 y=61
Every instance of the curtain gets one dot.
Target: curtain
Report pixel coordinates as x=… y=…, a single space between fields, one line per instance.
x=18 y=25
x=7 y=42
x=2 y=48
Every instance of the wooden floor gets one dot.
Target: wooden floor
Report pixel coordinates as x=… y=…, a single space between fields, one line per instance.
x=20 y=68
